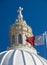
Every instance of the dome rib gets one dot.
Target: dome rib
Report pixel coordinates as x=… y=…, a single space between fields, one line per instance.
x=11 y=59
x=23 y=57
x=6 y=58
x=43 y=59
x=32 y=58
x=38 y=58
x=2 y=55
x=18 y=59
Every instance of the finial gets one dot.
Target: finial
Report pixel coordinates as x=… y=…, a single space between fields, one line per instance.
x=20 y=16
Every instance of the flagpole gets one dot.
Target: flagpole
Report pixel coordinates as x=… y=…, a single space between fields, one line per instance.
x=45 y=43
x=46 y=39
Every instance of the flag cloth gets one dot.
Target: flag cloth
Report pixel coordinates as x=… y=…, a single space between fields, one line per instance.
x=35 y=41
x=39 y=40
x=30 y=40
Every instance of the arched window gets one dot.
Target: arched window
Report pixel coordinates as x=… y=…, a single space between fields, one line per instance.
x=20 y=39
x=13 y=39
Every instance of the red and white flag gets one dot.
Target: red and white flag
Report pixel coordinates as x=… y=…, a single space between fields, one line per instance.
x=35 y=41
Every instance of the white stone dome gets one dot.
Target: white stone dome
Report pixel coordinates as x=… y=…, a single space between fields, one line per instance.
x=21 y=57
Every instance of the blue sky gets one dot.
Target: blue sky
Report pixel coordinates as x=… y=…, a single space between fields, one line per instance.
x=35 y=14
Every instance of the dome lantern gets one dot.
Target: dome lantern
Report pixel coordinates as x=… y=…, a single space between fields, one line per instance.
x=19 y=30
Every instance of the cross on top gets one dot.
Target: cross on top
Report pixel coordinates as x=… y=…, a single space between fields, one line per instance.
x=20 y=16
x=20 y=10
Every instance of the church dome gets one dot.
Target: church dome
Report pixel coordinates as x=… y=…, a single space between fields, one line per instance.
x=20 y=52
x=21 y=57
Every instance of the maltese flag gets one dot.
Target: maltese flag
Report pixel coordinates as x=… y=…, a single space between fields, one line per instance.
x=35 y=41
